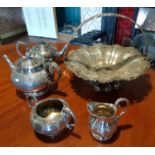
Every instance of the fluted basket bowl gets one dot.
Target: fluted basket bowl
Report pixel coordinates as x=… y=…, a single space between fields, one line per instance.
x=106 y=63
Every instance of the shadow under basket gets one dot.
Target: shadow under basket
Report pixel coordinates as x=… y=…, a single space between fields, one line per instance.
x=106 y=87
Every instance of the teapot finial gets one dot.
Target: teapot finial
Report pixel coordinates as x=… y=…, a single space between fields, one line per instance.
x=12 y=67
x=27 y=54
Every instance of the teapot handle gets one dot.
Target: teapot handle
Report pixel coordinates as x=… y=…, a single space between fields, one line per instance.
x=117 y=103
x=68 y=125
x=17 y=48
x=57 y=68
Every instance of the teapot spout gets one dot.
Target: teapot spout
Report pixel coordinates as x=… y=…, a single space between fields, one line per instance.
x=12 y=67
x=62 y=52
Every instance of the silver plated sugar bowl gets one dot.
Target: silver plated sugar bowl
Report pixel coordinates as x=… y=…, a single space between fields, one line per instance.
x=103 y=119
x=30 y=76
x=51 y=116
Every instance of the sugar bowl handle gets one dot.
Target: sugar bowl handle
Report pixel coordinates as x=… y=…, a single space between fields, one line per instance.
x=32 y=100
x=69 y=112
x=117 y=104
x=57 y=68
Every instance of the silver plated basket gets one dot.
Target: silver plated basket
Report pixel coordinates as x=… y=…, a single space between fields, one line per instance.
x=105 y=66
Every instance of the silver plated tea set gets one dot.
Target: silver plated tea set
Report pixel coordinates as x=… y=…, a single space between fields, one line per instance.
x=33 y=74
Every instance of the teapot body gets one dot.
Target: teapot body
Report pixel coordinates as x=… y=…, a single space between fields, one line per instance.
x=30 y=80
x=44 y=51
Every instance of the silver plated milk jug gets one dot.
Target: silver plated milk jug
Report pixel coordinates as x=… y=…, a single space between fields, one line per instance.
x=103 y=119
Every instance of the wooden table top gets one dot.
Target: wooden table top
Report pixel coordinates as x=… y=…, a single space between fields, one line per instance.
x=136 y=127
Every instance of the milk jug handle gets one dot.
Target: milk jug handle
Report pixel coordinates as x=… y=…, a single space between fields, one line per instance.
x=117 y=103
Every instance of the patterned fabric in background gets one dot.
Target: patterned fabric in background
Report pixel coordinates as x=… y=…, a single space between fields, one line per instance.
x=11 y=18
x=87 y=12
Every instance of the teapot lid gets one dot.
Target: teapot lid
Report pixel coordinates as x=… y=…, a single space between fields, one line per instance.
x=43 y=49
x=43 y=44
x=29 y=62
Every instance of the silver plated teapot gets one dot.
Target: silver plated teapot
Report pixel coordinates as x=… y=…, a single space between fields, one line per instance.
x=51 y=116
x=30 y=75
x=42 y=50
x=103 y=119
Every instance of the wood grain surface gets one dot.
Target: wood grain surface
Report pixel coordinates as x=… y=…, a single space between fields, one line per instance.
x=135 y=128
